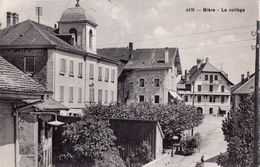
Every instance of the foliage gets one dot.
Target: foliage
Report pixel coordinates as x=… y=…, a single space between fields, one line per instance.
x=142 y=156
x=89 y=140
x=172 y=118
x=238 y=129
x=192 y=143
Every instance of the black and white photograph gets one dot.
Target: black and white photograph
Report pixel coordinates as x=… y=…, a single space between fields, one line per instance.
x=129 y=83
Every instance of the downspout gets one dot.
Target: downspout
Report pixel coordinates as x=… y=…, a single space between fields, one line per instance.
x=85 y=80
x=193 y=98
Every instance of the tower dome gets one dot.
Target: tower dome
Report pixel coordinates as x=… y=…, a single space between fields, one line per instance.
x=77 y=14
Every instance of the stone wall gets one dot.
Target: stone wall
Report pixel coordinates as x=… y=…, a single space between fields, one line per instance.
x=16 y=57
x=7 y=138
x=28 y=141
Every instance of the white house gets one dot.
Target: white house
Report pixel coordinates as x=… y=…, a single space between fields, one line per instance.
x=207 y=88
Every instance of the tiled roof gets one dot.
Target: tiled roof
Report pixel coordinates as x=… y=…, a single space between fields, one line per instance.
x=121 y=55
x=241 y=84
x=48 y=105
x=154 y=58
x=32 y=34
x=12 y=79
x=194 y=72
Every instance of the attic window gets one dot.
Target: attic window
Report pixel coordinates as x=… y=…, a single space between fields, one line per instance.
x=160 y=61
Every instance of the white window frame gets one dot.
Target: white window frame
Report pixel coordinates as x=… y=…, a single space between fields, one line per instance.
x=91 y=71
x=80 y=95
x=71 y=68
x=63 y=66
x=61 y=93
x=106 y=74
x=71 y=94
x=80 y=70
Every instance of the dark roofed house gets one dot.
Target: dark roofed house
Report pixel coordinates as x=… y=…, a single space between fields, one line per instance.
x=147 y=75
x=207 y=88
x=242 y=89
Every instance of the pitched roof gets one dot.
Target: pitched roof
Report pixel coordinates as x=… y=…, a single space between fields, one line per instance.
x=121 y=55
x=12 y=79
x=154 y=58
x=243 y=86
x=194 y=72
x=48 y=104
x=32 y=34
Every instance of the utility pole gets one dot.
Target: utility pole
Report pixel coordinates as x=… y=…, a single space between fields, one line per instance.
x=38 y=12
x=257 y=100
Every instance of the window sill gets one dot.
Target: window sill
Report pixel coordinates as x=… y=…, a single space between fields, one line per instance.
x=106 y=80
x=91 y=78
x=61 y=101
x=70 y=101
x=62 y=74
x=113 y=81
x=80 y=76
x=99 y=79
x=71 y=75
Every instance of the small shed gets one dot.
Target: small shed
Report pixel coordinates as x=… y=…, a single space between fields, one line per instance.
x=131 y=133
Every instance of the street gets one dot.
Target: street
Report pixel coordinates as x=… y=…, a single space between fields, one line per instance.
x=211 y=145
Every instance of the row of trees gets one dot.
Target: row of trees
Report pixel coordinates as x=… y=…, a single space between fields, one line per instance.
x=91 y=140
x=173 y=119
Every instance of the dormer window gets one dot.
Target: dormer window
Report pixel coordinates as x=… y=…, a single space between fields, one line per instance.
x=90 y=40
x=75 y=33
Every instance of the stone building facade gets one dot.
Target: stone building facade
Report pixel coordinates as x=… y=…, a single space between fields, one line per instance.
x=146 y=75
x=207 y=88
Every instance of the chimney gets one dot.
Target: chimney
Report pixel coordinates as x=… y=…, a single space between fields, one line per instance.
x=131 y=50
x=207 y=60
x=55 y=25
x=186 y=75
x=242 y=78
x=166 y=54
x=8 y=19
x=248 y=74
x=13 y=18
x=198 y=63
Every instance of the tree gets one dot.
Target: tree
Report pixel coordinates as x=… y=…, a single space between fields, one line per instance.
x=90 y=141
x=173 y=118
x=238 y=129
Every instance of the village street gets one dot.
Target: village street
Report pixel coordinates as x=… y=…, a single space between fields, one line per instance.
x=212 y=144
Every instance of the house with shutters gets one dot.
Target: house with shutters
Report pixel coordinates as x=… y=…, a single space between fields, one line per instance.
x=207 y=88
x=146 y=75
x=63 y=59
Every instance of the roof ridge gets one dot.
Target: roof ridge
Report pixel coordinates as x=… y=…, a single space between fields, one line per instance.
x=41 y=32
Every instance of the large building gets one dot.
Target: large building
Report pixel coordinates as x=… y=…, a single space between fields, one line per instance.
x=146 y=75
x=207 y=88
x=64 y=60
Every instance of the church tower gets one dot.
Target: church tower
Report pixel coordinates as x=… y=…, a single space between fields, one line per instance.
x=79 y=22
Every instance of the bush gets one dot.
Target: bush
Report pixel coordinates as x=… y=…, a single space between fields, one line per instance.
x=89 y=141
x=142 y=156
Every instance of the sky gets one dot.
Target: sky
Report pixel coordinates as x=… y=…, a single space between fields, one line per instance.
x=224 y=37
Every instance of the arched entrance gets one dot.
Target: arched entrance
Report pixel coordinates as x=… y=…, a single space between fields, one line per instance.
x=200 y=110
